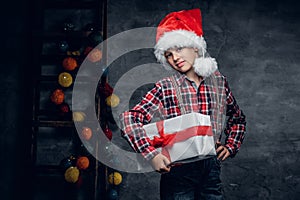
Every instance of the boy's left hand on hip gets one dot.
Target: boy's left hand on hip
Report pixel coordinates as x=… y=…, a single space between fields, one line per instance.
x=222 y=152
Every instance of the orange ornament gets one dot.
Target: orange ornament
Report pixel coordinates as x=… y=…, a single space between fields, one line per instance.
x=86 y=133
x=69 y=63
x=57 y=96
x=82 y=162
x=95 y=55
x=87 y=50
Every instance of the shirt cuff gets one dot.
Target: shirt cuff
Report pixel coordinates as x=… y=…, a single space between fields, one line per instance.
x=231 y=150
x=149 y=153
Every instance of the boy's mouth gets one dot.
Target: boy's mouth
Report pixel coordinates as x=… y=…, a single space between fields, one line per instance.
x=180 y=64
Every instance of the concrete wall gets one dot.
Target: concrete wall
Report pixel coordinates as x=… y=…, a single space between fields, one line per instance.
x=256 y=44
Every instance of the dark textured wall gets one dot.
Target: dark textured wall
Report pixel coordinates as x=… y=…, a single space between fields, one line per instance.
x=257 y=46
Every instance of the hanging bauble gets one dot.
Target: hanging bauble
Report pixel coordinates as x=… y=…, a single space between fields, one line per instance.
x=73 y=53
x=87 y=50
x=82 y=162
x=112 y=100
x=78 y=116
x=105 y=89
x=86 y=133
x=112 y=194
x=108 y=132
x=65 y=111
x=63 y=46
x=95 y=38
x=94 y=55
x=68 y=26
x=66 y=163
x=89 y=28
x=72 y=174
x=73 y=159
x=57 y=96
x=65 y=79
x=69 y=63
x=115 y=178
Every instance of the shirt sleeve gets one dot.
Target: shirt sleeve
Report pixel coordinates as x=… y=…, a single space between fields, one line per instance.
x=132 y=121
x=236 y=123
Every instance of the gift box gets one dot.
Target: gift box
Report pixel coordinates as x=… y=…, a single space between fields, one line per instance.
x=184 y=138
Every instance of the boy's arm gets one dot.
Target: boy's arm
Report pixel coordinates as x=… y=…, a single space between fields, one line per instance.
x=132 y=121
x=236 y=124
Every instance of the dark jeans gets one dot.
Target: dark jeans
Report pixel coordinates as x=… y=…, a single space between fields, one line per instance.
x=193 y=181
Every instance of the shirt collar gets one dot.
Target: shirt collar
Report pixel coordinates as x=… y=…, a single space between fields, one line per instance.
x=179 y=78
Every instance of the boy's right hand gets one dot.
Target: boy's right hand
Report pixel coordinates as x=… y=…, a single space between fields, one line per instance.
x=160 y=163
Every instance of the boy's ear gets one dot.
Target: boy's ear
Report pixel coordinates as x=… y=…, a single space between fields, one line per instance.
x=196 y=51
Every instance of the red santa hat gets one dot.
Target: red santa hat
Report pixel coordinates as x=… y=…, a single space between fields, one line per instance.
x=184 y=29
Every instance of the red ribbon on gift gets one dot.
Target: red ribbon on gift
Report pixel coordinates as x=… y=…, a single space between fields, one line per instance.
x=166 y=140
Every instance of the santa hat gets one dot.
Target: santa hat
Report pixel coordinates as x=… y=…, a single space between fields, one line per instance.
x=184 y=29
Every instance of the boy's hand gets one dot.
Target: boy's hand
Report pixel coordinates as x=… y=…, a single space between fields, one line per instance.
x=222 y=151
x=160 y=163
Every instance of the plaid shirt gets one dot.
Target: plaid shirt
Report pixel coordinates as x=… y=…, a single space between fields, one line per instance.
x=162 y=101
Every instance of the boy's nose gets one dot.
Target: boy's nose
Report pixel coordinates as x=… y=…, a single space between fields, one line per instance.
x=176 y=56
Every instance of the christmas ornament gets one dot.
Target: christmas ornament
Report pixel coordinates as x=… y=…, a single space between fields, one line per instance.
x=87 y=50
x=86 y=133
x=57 y=96
x=64 y=109
x=95 y=38
x=108 y=132
x=94 y=55
x=73 y=53
x=82 y=162
x=63 y=46
x=68 y=26
x=106 y=90
x=112 y=100
x=69 y=63
x=65 y=79
x=115 y=178
x=112 y=194
x=78 y=116
x=66 y=163
x=89 y=28
x=72 y=174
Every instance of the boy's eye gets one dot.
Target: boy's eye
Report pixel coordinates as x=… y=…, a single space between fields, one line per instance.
x=168 y=55
x=179 y=49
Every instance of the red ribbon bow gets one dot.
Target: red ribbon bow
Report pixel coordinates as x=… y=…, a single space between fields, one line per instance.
x=166 y=140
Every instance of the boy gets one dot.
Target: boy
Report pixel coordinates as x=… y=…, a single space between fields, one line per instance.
x=180 y=46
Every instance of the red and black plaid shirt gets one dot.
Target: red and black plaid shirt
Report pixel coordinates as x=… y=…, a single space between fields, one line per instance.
x=162 y=101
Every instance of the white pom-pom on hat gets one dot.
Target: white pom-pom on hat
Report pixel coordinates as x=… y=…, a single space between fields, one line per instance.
x=205 y=66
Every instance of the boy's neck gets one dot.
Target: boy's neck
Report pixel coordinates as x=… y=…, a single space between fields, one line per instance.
x=194 y=77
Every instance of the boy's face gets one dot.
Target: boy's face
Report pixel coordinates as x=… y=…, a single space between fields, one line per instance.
x=181 y=58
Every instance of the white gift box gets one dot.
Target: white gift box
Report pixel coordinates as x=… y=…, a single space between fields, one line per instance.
x=184 y=138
